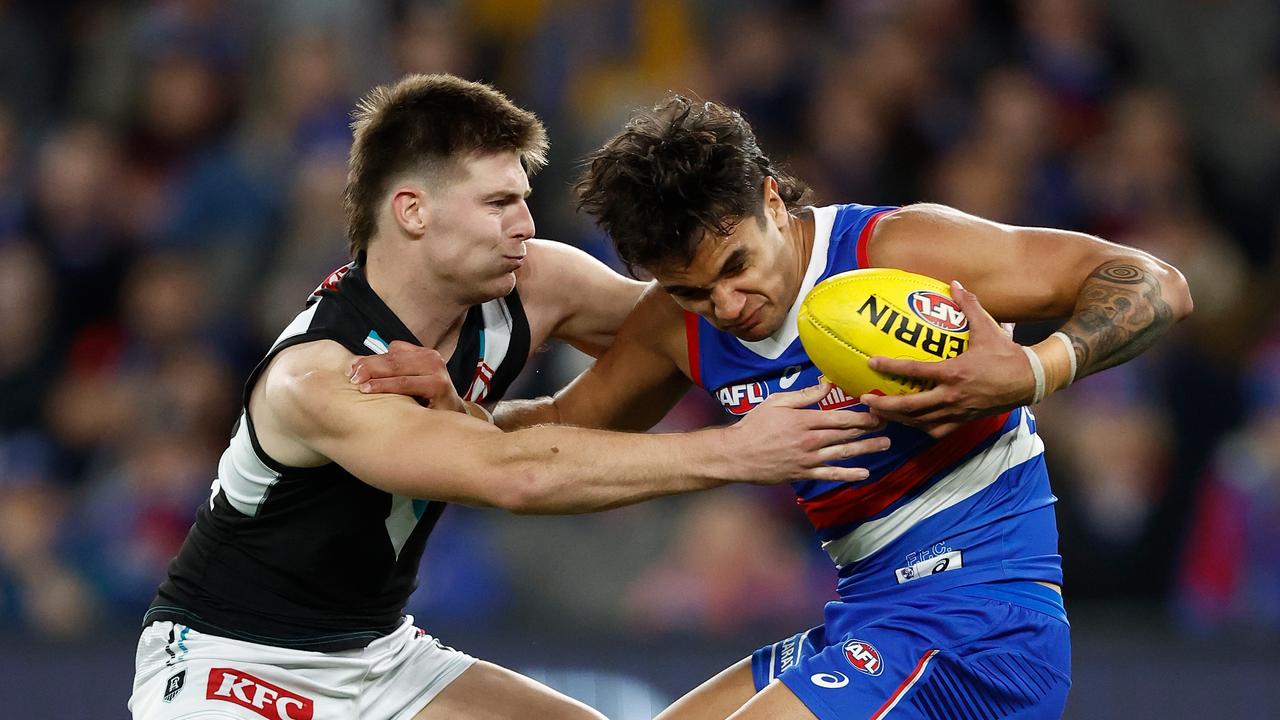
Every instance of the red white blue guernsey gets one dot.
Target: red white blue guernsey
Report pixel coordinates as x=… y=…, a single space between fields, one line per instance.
x=974 y=507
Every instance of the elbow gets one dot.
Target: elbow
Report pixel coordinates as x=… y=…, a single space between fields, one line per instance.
x=525 y=490
x=1178 y=295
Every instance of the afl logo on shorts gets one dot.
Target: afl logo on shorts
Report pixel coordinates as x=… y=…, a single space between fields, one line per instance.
x=863 y=657
x=938 y=310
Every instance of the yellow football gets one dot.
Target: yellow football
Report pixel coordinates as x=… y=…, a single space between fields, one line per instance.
x=848 y=318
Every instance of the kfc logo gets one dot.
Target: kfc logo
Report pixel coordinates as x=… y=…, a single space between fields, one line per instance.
x=270 y=701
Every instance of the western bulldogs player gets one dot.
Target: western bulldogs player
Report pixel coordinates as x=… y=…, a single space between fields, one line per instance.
x=949 y=577
x=286 y=599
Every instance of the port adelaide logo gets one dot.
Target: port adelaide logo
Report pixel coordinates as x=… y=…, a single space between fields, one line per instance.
x=174 y=685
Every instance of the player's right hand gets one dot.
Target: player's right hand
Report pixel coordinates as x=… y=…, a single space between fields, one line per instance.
x=782 y=440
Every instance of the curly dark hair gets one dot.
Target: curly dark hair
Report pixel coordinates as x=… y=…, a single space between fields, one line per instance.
x=424 y=123
x=675 y=172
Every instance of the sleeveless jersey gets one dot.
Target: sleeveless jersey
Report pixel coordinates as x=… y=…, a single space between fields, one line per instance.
x=972 y=507
x=314 y=558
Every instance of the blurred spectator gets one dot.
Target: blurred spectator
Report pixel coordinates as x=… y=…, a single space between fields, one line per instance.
x=729 y=566
x=1231 y=574
x=37 y=588
x=29 y=348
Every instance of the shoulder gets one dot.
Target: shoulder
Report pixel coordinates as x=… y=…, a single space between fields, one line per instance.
x=548 y=264
x=304 y=378
x=571 y=295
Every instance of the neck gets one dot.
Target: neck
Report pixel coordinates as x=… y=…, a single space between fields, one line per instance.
x=800 y=235
x=430 y=314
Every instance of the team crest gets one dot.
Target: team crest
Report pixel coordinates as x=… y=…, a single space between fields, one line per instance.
x=331 y=283
x=938 y=310
x=864 y=657
x=481 y=382
x=174 y=685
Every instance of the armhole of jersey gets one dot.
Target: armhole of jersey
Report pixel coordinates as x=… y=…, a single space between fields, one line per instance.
x=517 y=350
x=691 y=340
x=256 y=375
x=865 y=236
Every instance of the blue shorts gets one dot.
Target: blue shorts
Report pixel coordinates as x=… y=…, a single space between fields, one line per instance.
x=979 y=652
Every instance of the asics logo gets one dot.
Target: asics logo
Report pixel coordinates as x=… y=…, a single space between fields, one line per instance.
x=829 y=680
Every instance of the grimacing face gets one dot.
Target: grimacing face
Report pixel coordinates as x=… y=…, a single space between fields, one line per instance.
x=479 y=222
x=743 y=283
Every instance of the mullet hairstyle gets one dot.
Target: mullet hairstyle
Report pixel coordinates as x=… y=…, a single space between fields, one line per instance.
x=427 y=123
x=676 y=172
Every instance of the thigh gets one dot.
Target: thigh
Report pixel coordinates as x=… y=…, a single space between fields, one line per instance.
x=775 y=702
x=717 y=698
x=485 y=691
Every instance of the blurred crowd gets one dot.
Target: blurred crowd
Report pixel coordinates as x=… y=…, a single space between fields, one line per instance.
x=170 y=176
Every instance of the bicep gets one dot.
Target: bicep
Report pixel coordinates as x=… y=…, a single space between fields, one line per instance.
x=391 y=442
x=589 y=300
x=638 y=379
x=1019 y=273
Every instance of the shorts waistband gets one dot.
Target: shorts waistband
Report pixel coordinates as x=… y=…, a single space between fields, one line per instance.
x=1024 y=593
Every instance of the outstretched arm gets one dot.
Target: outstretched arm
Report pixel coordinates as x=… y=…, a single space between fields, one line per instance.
x=1118 y=300
x=394 y=444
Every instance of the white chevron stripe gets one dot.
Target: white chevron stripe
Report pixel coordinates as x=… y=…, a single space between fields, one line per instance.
x=975 y=474
x=242 y=475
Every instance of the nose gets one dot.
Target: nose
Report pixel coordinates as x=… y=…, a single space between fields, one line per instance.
x=727 y=303
x=520 y=224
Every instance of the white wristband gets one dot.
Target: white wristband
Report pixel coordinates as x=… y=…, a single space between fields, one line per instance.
x=1071 y=353
x=1037 y=371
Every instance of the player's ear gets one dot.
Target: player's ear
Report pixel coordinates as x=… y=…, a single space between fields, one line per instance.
x=774 y=208
x=410 y=209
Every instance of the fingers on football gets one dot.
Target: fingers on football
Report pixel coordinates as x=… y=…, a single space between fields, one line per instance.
x=980 y=323
x=803 y=397
x=933 y=371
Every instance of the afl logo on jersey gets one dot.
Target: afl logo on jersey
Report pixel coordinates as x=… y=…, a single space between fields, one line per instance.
x=863 y=657
x=938 y=310
x=739 y=399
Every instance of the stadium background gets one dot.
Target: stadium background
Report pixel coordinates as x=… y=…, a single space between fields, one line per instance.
x=169 y=193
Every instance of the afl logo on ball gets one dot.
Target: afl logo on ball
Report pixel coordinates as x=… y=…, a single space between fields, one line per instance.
x=938 y=310
x=863 y=657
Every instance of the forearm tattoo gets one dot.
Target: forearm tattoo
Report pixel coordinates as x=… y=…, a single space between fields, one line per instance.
x=1120 y=313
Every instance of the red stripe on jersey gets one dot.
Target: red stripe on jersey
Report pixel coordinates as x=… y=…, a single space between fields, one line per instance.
x=905 y=686
x=691 y=339
x=865 y=236
x=847 y=504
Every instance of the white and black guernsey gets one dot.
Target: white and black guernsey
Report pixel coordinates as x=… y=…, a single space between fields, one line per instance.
x=313 y=558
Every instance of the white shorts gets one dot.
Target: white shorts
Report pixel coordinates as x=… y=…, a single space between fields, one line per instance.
x=182 y=674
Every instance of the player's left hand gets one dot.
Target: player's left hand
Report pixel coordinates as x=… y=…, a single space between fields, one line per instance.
x=991 y=376
x=408 y=369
